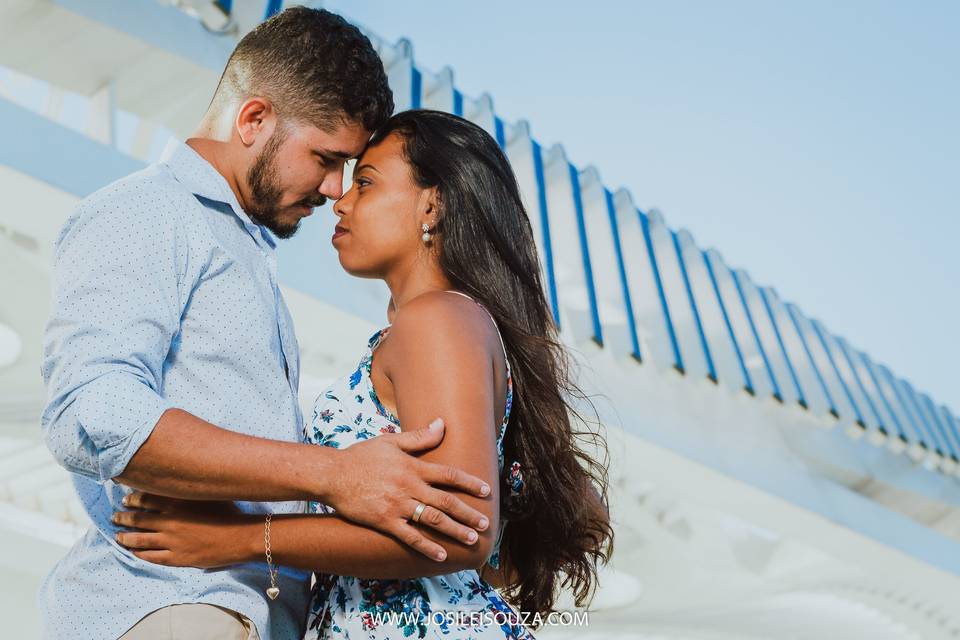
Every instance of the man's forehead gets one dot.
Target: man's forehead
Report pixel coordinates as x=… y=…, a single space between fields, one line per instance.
x=345 y=141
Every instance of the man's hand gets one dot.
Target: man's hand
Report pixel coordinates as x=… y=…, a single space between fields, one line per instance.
x=378 y=484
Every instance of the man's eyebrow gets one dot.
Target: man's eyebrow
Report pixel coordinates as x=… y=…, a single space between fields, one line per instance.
x=343 y=155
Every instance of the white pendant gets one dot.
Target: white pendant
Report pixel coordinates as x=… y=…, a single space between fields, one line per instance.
x=273 y=592
x=425 y=237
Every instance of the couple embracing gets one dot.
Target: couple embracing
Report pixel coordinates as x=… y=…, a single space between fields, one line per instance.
x=172 y=372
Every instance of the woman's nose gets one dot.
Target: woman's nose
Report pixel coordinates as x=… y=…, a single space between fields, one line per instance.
x=339 y=207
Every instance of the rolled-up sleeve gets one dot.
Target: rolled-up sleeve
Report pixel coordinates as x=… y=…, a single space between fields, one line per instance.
x=116 y=306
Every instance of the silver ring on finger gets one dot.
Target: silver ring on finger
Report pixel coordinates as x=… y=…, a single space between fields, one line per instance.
x=418 y=511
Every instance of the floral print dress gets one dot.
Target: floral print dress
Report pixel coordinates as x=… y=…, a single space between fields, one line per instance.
x=458 y=605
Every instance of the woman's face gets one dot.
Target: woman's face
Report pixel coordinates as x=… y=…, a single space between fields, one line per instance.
x=380 y=216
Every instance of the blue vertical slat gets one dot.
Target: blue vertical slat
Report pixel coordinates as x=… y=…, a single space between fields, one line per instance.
x=733 y=338
x=273 y=7
x=910 y=396
x=677 y=358
x=501 y=135
x=843 y=383
x=931 y=412
x=898 y=398
x=416 y=86
x=783 y=350
x=881 y=425
x=457 y=103
x=622 y=270
x=813 y=363
x=756 y=336
x=886 y=401
x=951 y=424
x=711 y=370
x=922 y=437
x=545 y=226
x=585 y=253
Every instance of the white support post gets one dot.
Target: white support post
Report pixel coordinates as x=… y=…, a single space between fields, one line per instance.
x=653 y=332
x=754 y=361
x=101 y=122
x=839 y=399
x=715 y=330
x=784 y=385
x=571 y=278
x=438 y=90
x=606 y=271
x=800 y=365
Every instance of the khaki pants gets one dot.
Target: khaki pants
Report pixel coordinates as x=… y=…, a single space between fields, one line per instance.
x=192 y=622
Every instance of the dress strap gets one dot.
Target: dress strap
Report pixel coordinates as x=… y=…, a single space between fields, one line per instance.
x=503 y=345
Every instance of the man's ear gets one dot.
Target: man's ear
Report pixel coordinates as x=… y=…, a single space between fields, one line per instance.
x=255 y=118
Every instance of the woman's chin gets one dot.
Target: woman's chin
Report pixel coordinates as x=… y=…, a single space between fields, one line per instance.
x=355 y=270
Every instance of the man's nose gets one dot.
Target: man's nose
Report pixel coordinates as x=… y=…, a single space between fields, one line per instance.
x=332 y=185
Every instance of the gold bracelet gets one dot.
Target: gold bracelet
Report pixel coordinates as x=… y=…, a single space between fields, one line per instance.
x=273 y=590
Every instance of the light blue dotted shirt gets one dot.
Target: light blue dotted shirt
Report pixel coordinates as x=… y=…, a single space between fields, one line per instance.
x=165 y=295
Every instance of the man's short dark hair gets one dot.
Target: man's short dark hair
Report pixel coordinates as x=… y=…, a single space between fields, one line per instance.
x=314 y=66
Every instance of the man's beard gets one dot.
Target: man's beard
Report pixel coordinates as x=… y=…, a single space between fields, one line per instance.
x=266 y=191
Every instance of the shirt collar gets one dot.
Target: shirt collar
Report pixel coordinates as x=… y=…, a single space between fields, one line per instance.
x=202 y=179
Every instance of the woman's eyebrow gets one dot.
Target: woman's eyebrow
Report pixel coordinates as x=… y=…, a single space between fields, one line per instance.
x=365 y=166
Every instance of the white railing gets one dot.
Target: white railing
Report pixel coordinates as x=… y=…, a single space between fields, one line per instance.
x=621 y=279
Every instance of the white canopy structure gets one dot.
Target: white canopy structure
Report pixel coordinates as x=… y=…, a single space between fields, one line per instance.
x=770 y=479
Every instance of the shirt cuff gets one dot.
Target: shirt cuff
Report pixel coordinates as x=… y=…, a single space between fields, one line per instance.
x=118 y=412
x=113 y=460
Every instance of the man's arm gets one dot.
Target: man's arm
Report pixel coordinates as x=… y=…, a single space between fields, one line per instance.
x=122 y=277
x=452 y=377
x=189 y=458
x=119 y=283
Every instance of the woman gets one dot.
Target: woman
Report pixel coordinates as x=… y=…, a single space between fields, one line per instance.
x=435 y=211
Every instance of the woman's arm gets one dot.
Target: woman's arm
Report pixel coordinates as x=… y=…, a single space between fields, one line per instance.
x=184 y=533
x=438 y=358
x=328 y=544
x=443 y=354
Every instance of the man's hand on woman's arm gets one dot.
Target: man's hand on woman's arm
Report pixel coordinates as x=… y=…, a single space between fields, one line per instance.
x=380 y=487
x=373 y=483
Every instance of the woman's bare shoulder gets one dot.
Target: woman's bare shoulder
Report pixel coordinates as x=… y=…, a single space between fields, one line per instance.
x=445 y=319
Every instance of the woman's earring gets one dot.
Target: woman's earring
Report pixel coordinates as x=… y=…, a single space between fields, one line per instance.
x=426 y=232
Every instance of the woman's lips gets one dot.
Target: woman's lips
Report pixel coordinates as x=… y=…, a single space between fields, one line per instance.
x=339 y=232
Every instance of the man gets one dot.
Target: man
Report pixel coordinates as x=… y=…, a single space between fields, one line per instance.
x=170 y=351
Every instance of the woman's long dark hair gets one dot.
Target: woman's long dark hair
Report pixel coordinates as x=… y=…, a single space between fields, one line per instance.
x=486 y=249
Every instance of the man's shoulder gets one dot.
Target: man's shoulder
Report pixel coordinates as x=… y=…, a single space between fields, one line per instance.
x=151 y=197
x=145 y=212
x=153 y=187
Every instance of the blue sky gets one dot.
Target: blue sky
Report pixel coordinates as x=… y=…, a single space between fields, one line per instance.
x=813 y=143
